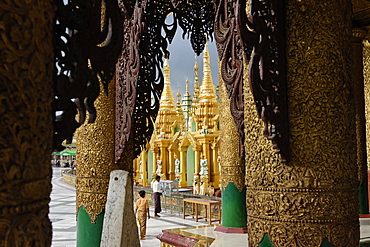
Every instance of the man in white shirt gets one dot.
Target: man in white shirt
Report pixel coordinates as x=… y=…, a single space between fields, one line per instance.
x=157 y=192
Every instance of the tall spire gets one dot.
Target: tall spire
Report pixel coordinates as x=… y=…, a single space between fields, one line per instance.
x=196 y=81
x=167 y=100
x=195 y=92
x=180 y=113
x=207 y=89
x=167 y=114
x=207 y=106
x=186 y=104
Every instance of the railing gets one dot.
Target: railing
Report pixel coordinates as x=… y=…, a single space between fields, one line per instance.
x=69 y=176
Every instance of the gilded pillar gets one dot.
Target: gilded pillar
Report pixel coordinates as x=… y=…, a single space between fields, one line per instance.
x=144 y=163
x=366 y=65
x=358 y=36
x=137 y=169
x=183 y=181
x=215 y=166
x=366 y=61
x=197 y=160
x=312 y=200
x=95 y=161
x=163 y=145
x=154 y=165
x=26 y=98
x=171 y=164
x=234 y=215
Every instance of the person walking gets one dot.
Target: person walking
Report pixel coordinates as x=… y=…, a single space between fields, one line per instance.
x=157 y=192
x=142 y=210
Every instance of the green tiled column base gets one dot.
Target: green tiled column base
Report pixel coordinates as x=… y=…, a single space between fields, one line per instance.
x=88 y=234
x=234 y=212
x=363 y=197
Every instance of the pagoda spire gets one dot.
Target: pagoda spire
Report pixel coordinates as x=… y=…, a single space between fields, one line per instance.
x=167 y=114
x=186 y=104
x=167 y=100
x=207 y=106
x=207 y=89
x=195 y=93
x=196 y=81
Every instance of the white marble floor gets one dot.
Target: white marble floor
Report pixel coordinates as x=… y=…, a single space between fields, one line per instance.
x=62 y=212
x=63 y=217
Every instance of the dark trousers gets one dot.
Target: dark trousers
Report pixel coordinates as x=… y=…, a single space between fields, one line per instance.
x=157 y=202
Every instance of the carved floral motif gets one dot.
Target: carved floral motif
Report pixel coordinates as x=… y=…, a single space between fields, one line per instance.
x=88 y=43
x=314 y=195
x=259 y=40
x=95 y=157
x=232 y=167
x=26 y=96
x=366 y=54
x=139 y=72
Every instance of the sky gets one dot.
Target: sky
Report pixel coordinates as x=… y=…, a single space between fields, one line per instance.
x=182 y=60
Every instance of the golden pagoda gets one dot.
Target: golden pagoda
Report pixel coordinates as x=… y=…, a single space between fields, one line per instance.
x=186 y=134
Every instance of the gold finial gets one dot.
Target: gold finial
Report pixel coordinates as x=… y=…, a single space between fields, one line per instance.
x=187 y=85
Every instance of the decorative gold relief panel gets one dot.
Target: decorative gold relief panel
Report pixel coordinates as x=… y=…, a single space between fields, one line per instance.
x=232 y=168
x=95 y=156
x=315 y=196
x=26 y=96
x=366 y=55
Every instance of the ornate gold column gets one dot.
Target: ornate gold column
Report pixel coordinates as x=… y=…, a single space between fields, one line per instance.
x=144 y=160
x=155 y=155
x=163 y=145
x=358 y=36
x=366 y=61
x=171 y=164
x=137 y=169
x=95 y=161
x=234 y=218
x=183 y=162
x=312 y=200
x=215 y=168
x=197 y=151
x=26 y=98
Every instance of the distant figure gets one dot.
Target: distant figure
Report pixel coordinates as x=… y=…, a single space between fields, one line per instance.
x=159 y=166
x=218 y=193
x=157 y=192
x=203 y=167
x=142 y=210
x=177 y=165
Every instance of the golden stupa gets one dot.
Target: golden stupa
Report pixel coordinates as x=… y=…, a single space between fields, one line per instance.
x=186 y=134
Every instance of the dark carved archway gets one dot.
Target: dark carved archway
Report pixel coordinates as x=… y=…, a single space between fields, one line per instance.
x=134 y=32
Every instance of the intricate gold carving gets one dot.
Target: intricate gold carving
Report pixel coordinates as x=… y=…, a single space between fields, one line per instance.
x=232 y=167
x=358 y=35
x=366 y=55
x=95 y=156
x=314 y=197
x=26 y=96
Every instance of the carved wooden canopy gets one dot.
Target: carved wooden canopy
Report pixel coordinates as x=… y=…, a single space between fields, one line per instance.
x=93 y=34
